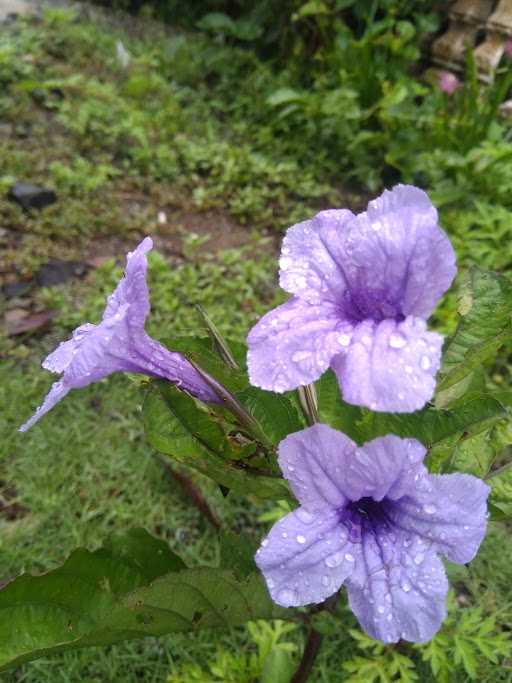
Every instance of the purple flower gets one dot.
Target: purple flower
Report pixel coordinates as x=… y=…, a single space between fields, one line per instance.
x=363 y=287
x=372 y=517
x=448 y=82
x=118 y=344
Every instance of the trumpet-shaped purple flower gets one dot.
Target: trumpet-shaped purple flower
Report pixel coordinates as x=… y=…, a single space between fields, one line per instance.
x=375 y=519
x=119 y=343
x=363 y=288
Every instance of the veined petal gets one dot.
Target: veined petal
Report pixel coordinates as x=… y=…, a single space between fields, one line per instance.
x=387 y=467
x=57 y=392
x=315 y=461
x=311 y=263
x=306 y=557
x=293 y=344
x=390 y=366
x=449 y=510
x=132 y=288
x=397 y=260
x=398 y=589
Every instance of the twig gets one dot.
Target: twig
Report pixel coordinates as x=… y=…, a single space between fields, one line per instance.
x=313 y=641
x=311 y=650
x=192 y=491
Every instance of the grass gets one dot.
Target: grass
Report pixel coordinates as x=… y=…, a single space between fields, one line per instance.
x=186 y=129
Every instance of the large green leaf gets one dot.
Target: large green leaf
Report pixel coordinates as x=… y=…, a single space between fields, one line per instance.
x=430 y=426
x=275 y=414
x=132 y=588
x=485 y=325
x=176 y=426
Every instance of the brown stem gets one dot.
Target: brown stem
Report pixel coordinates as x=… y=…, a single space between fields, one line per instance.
x=311 y=650
x=193 y=492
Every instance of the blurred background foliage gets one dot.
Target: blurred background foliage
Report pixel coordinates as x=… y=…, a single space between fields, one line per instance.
x=233 y=120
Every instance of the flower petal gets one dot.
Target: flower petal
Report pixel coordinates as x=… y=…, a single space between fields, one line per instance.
x=311 y=260
x=132 y=288
x=398 y=588
x=57 y=392
x=390 y=366
x=398 y=261
x=315 y=461
x=293 y=344
x=387 y=467
x=306 y=557
x=448 y=509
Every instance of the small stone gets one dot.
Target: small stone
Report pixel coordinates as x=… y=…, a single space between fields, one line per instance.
x=30 y=196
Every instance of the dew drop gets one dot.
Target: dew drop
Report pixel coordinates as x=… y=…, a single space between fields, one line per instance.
x=334 y=560
x=299 y=356
x=425 y=363
x=270 y=583
x=429 y=509
x=264 y=543
x=284 y=534
x=349 y=557
x=301 y=539
x=406 y=586
x=304 y=516
x=397 y=341
x=287 y=596
x=418 y=559
x=381 y=609
x=344 y=339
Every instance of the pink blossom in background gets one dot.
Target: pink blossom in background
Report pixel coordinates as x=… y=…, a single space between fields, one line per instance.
x=448 y=82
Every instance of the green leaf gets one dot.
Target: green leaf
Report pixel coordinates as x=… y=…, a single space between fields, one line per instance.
x=237 y=553
x=275 y=414
x=132 y=588
x=175 y=425
x=485 y=325
x=278 y=667
x=430 y=426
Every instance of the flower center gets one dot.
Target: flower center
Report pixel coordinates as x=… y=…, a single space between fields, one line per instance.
x=364 y=515
x=368 y=304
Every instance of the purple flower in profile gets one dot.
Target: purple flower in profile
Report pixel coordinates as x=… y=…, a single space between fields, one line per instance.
x=363 y=288
x=373 y=518
x=119 y=343
x=448 y=82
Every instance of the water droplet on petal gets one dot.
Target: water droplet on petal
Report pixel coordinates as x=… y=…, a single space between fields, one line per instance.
x=270 y=583
x=344 y=339
x=381 y=609
x=264 y=543
x=301 y=539
x=429 y=509
x=334 y=560
x=397 y=340
x=418 y=559
x=287 y=596
x=349 y=557
x=406 y=586
x=425 y=363
x=304 y=516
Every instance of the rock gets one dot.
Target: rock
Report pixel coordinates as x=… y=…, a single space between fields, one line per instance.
x=55 y=272
x=18 y=321
x=30 y=196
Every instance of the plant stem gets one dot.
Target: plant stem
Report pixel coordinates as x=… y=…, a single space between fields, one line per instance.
x=192 y=491
x=311 y=650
